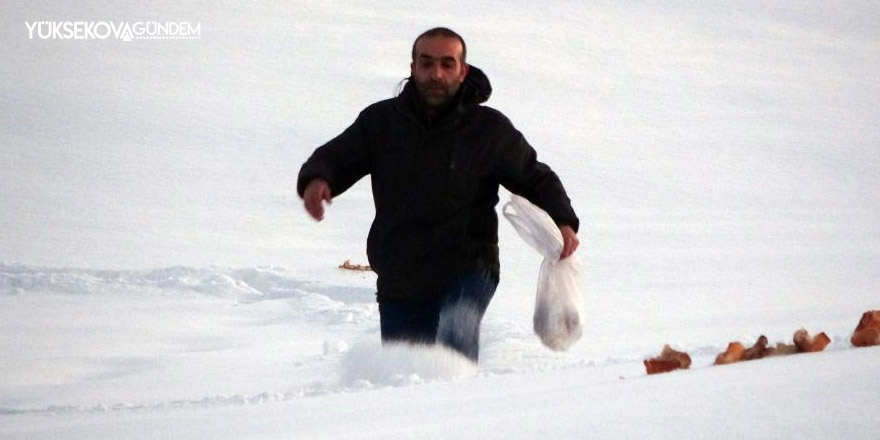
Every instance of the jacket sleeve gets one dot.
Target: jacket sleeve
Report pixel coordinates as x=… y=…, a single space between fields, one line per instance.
x=521 y=173
x=341 y=162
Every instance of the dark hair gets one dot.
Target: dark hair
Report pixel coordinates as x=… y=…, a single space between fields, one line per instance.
x=441 y=32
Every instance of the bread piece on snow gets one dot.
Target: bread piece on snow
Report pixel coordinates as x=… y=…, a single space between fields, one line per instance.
x=867 y=333
x=810 y=344
x=668 y=360
x=734 y=353
x=757 y=351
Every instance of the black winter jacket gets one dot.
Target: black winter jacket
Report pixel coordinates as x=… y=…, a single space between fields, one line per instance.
x=435 y=185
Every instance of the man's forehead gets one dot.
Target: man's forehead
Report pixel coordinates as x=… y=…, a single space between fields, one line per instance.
x=439 y=47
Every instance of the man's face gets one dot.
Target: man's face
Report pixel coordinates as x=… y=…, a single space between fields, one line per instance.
x=438 y=70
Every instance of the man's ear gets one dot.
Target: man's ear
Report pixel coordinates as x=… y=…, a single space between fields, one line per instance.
x=465 y=68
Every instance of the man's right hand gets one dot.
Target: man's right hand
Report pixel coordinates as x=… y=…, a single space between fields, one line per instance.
x=316 y=193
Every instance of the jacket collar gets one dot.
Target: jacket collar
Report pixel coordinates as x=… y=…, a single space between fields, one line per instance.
x=476 y=88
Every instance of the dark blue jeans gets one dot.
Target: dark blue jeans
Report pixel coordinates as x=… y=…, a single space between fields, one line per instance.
x=453 y=320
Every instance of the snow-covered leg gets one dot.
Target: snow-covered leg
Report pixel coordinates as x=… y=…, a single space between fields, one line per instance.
x=462 y=311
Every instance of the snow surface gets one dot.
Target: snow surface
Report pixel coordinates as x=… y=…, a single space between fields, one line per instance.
x=160 y=279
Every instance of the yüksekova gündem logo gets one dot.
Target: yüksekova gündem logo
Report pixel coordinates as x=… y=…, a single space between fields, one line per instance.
x=113 y=30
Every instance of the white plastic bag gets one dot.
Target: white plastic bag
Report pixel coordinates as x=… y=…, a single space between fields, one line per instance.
x=558 y=305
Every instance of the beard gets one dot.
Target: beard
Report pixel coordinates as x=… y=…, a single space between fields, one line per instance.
x=436 y=94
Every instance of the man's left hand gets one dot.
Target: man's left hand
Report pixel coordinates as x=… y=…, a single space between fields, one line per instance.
x=569 y=241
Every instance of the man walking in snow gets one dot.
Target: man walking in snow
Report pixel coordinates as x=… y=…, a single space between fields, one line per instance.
x=436 y=157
